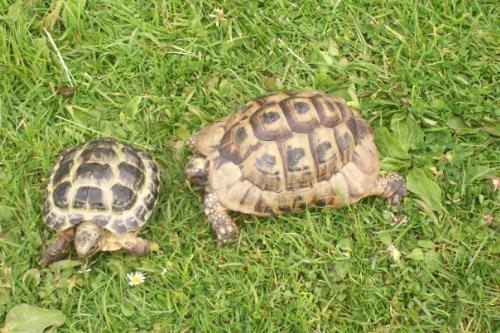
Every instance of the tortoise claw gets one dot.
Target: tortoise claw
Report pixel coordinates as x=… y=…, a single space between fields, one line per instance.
x=397 y=196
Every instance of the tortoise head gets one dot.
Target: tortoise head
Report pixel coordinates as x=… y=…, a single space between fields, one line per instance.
x=197 y=170
x=88 y=239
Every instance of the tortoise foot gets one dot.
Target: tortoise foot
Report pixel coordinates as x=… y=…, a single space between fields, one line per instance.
x=224 y=228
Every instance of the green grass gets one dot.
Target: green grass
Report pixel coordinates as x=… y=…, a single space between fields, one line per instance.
x=150 y=73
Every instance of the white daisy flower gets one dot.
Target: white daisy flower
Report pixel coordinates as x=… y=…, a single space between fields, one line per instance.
x=136 y=278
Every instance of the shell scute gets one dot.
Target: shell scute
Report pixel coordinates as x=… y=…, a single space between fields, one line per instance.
x=105 y=182
x=236 y=147
x=63 y=170
x=89 y=197
x=118 y=225
x=132 y=157
x=60 y=195
x=75 y=218
x=93 y=171
x=123 y=197
x=291 y=149
x=298 y=162
x=98 y=154
x=300 y=114
x=102 y=220
x=264 y=168
x=131 y=175
x=55 y=221
x=269 y=123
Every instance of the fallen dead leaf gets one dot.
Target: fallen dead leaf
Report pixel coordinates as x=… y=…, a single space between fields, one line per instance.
x=496 y=182
x=488 y=219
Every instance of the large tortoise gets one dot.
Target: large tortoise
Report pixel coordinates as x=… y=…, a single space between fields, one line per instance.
x=285 y=152
x=99 y=196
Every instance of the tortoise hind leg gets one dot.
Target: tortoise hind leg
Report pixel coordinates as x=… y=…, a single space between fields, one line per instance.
x=223 y=226
x=59 y=248
x=391 y=186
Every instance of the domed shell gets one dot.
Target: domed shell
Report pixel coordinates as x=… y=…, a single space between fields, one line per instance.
x=287 y=151
x=103 y=181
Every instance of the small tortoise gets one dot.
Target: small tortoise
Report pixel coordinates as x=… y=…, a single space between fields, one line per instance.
x=285 y=152
x=99 y=196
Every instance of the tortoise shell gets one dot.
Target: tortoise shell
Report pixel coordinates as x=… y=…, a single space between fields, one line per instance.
x=287 y=151
x=103 y=181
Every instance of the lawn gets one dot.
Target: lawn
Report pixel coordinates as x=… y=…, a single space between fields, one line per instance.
x=424 y=73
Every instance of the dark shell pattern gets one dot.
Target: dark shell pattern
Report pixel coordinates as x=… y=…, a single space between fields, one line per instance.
x=287 y=151
x=109 y=183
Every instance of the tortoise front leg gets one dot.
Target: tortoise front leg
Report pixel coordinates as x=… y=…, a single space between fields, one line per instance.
x=136 y=245
x=391 y=186
x=224 y=228
x=59 y=248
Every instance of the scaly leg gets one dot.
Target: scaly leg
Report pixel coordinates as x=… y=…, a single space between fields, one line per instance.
x=391 y=186
x=136 y=245
x=59 y=248
x=224 y=228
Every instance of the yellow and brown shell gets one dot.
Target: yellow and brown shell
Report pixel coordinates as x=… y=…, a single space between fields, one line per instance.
x=288 y=151
x=103 y=181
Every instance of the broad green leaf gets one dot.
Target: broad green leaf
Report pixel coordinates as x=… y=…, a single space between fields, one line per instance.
x=491 y=126
x=327 y=58
x=83 y=116
x=182 y=133
x=5 y=213
x=425 y=243
x=25 y=318
x=341 y=270
x=393 y=164
x=385 y=238
x=438 y=139
x=225 y=87
x=427 y=209
x=4 y=298
x=407 y=131
x=127 y=309
x=456 y=123
x=479 y=172
x=345 y=244
x=438 y=104
x=459 y=126
x=324 y=81
x=354 y=102
x=425 y=188
x=389 y=144
x=432 y=259
x=416 y=254
x=333 y=49
x=113 y=129
x=272 y=83
x=341 y=93
x=64 y=264
x=495 y=131
x=132 y=107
